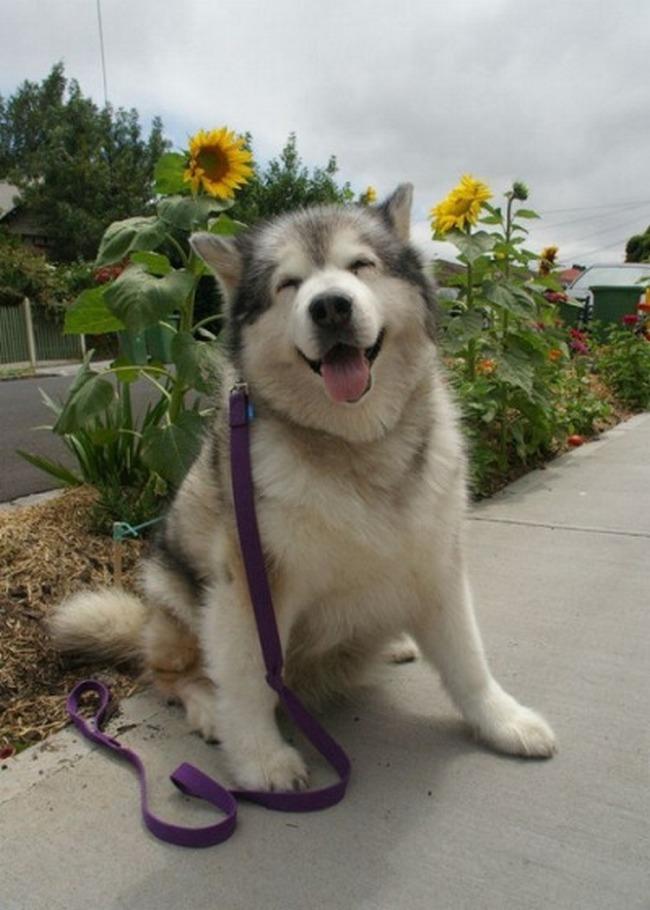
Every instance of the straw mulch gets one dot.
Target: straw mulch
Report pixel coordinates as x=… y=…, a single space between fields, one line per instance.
x=47 y=551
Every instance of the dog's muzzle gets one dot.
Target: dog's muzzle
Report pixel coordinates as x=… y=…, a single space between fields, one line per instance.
x=346 y=369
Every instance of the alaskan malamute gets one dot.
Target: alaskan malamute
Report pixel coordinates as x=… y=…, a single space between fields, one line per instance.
x=360 y=487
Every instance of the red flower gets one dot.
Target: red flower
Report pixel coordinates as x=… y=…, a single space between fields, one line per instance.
x=579 y=346
x=629 y=319
x=108 y=273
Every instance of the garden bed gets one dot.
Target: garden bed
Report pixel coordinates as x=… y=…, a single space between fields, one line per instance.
x=48 y=551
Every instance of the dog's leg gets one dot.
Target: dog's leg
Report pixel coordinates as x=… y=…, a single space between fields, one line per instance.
x=258 y=756
x=449 y=637
x=173 y=658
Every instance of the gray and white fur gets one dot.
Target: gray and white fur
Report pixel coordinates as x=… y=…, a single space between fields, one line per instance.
x=359 y=475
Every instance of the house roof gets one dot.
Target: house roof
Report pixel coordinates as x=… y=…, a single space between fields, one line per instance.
x=7 y=194
x=567 y=276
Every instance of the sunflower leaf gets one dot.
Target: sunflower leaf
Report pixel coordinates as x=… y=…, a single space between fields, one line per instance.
x=170 y=450
x=472 y=246
x=154 y=263
x=196 y=361
x=226 y=226
x=140 y=299
x=91 y=397
x=461 y=329
x=90 y=315
x=189 y=213
x=168 y=174
x=121 y=237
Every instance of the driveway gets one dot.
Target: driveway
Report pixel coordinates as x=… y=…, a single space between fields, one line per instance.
x=21 y=410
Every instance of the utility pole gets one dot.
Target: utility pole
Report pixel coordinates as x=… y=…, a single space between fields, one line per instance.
x=101 y=45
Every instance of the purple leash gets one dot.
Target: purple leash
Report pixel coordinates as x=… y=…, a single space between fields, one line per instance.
x=186 y=777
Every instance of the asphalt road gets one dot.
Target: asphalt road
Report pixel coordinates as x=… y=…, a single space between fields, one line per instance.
x=21 y=410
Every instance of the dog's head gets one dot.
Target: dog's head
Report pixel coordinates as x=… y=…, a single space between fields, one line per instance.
x=330 y=316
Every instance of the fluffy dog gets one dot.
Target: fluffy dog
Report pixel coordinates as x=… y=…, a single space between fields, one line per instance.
x=359 y=476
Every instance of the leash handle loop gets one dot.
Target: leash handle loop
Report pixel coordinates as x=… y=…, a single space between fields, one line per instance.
x=188 y=779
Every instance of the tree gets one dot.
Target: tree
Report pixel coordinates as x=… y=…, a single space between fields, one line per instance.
x=637 y=249
x=286 y=184
x=78 y=167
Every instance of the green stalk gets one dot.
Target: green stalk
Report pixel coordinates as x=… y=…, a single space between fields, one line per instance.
x=199 y=325
x=177 y=399
x=471 y=347
x=503 y=432
x=510 y=197
x=179 y=249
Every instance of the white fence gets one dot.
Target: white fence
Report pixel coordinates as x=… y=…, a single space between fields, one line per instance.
x=27 y=335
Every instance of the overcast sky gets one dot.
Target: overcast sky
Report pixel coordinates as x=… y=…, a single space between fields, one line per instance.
x=556 y=93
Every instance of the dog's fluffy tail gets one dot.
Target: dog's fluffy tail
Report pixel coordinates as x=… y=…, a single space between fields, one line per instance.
x=104 y=624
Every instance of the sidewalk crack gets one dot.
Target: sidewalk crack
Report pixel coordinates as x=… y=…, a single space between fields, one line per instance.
x=558 y=526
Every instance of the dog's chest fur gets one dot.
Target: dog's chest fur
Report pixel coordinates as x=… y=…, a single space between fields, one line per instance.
x=345 y=521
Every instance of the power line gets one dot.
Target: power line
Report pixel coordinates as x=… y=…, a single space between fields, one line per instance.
x=603 y=205
x=594 y=217
x=612 y=227
x=600 y=249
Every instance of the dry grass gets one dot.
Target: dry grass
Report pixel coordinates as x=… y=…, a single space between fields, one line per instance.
x=46 y=552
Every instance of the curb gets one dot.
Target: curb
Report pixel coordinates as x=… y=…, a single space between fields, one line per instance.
x=31 y=500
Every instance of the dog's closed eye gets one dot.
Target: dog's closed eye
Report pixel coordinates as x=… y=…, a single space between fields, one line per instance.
x=286 y=283
x=358 y=264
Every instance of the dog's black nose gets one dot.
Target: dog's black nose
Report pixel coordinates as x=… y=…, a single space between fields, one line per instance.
x=330 y=310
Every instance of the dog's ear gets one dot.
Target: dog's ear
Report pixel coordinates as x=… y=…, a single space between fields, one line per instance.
x=397 y=210
x=222 y=255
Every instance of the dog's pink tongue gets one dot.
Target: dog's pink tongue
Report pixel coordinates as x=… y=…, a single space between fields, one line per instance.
x=346 y=374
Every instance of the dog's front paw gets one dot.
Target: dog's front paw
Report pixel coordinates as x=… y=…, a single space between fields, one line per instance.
x=281 y=768
x=512 y=728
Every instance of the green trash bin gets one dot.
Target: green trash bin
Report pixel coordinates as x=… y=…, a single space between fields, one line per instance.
x=612 y=303
x=133 y=346
x=570 y=312
x=159 y=339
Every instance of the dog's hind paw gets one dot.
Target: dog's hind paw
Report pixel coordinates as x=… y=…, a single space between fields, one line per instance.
x=198 y=697
x=514 y=729
x=402 y=650
x=281 y=769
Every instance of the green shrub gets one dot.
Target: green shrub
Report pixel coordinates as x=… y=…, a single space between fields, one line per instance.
x=500 y=333
x=624 y=364
x=27 y=273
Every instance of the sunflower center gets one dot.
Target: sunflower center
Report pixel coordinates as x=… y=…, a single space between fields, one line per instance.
x=460 y=206
x=214 y=162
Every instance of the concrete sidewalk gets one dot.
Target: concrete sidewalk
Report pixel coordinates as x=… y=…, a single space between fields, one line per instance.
x=561 y=568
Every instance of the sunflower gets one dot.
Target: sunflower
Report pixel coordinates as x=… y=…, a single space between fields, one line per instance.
x=369 y=197
x=547 y=259
x=462 y=207
x=218 y=163
x=549 y=253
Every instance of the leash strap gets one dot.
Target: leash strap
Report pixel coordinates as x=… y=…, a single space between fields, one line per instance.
x=258 y=586
x=189 y=779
